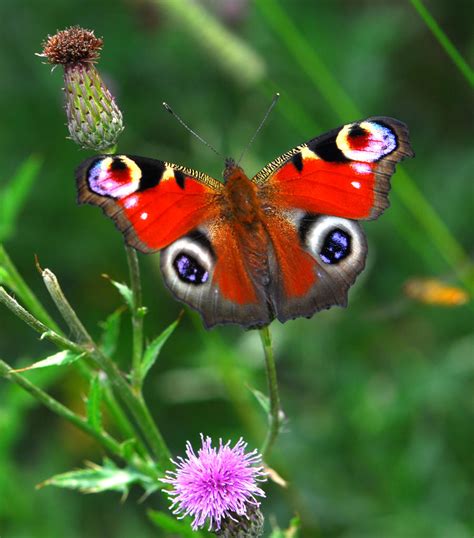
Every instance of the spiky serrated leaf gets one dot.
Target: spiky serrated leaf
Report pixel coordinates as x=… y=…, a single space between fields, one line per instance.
x=110 y=334
x=153 y=349
x=94 y=399
x=13 y=196
x=125 y=292
x=180 y=527
x=97 y=479
x=61 y=358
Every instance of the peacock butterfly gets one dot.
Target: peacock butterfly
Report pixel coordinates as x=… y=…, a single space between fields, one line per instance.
x=283 y=244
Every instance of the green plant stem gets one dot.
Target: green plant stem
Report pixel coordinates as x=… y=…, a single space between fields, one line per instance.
x=121 y=421
x=227 y=50
x=38 y=326
x=444 y=41
x=43 y=323
x=135 y=403
x=275 y=411
x=137 y=318
x=65 y=309
x=105 y=439
x=21 y=288
x=132 y=399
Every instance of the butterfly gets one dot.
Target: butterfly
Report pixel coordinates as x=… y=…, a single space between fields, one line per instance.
x=284 y=244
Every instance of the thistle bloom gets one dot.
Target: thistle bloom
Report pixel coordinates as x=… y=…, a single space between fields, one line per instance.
x=94 y=119
x=218 y=485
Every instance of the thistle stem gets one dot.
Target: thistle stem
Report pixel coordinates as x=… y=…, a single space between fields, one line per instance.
x=137 y=318
x=40 y=321
x=105 y=439
x=65 y=309
x=37 y=325
x=274 y=416
x=135 y=404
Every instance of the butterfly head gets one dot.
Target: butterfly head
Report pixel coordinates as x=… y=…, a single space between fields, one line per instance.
x=231 y=170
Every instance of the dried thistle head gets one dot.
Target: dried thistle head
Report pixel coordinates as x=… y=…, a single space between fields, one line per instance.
x=71 y=46
x=94 y=119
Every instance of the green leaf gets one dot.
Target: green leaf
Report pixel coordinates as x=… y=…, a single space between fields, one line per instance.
x=181 y=527
x=128 y=448
x=125 y=292
x=96 y=479
x=110 y=334
x=262 y=399
x=58 y=359
x=94 y=416
x=13 y=196
x=293 y=531
x=154 y=348
x=277 y=533
x=5 y=277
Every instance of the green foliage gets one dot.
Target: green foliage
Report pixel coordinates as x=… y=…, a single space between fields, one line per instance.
x=154 y=347
x=13 y=195
x=94 y=399
x=291 y=532
x=175 y=527
x=262 y=399
x=62 y=358
x=125 y=292
x=110 y=333
x=99 y=478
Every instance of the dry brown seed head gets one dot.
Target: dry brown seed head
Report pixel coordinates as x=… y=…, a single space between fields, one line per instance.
x=71 y=46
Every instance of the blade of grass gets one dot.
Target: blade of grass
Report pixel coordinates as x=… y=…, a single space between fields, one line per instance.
x=13 y=196
x=444 y=41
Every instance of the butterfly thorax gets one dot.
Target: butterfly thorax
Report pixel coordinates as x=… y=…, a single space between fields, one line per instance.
x=241 y=194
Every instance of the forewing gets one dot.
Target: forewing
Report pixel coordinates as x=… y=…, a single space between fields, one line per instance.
x=344 y=173
x=152 y=202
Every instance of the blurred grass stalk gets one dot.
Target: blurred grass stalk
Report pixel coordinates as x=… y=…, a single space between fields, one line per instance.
x=233 y=55
x=404 y=187
x=444 y=41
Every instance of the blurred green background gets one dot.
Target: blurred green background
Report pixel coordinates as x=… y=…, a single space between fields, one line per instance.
x=379 y=396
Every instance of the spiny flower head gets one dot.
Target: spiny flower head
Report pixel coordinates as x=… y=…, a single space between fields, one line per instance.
x=216 y=484
x=93 y=118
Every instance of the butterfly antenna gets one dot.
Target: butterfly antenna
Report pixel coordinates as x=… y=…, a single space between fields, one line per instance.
x=171 y=111
x=267 y=113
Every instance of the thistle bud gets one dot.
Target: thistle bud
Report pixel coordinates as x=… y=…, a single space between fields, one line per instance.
x=93 y=118
x=248 y=526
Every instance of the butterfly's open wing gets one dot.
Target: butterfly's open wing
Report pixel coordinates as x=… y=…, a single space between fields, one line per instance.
x=316 y=260
x=162 y=206
x=344 y=173
x=313 y=194
x=152 y=202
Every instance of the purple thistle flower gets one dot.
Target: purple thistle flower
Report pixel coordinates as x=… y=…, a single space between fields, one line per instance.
x=215 y=484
